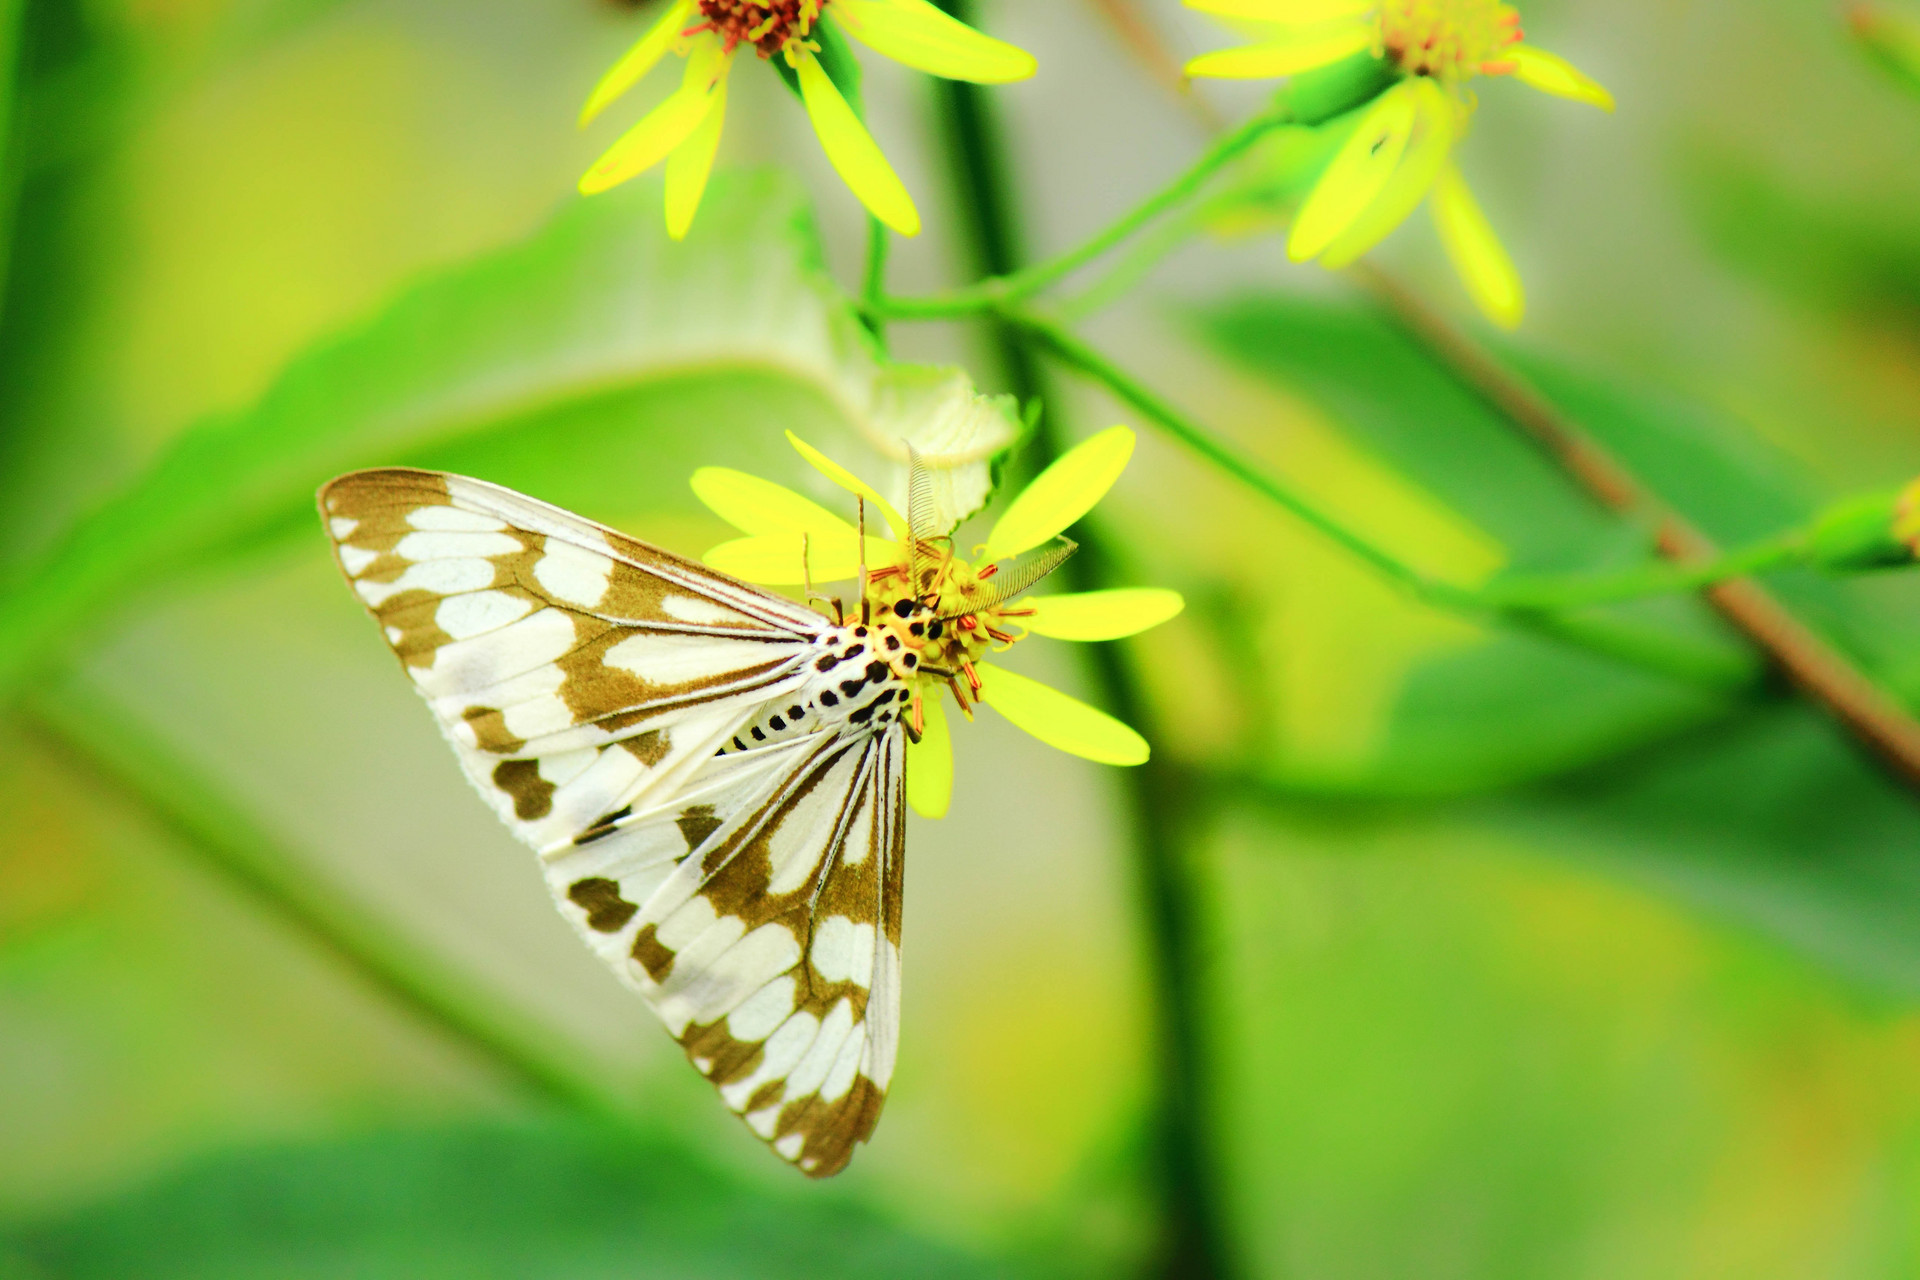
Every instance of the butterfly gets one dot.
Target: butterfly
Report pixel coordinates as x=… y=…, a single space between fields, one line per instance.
x=711 y=774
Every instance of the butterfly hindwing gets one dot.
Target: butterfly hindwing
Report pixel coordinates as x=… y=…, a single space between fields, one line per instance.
x=574 y=669
x=770 y=946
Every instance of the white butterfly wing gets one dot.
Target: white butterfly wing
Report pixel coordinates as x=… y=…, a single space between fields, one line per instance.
x=587 y=681
x=576 y=671
x=759 y=913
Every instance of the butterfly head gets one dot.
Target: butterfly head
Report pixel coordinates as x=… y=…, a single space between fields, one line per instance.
x=937 y=615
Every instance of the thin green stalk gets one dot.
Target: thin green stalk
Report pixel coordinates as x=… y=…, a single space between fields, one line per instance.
x=1004 y=287
x=1082 y=356
x=1135 y=266
x=1194 y=1240
x=1638 y=646
x=1559 y=592
x=106 y=740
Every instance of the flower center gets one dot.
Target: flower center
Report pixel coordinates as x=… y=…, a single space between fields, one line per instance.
x=1449 y=39
x=772 y=27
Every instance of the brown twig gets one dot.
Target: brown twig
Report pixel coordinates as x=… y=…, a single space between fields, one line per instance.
x=1814 y=666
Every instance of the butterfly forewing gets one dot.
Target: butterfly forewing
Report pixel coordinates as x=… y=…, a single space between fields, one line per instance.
x=591 y=685
x=573 y=669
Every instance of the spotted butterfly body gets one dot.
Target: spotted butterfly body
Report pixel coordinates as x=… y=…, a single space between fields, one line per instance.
x=711 y=775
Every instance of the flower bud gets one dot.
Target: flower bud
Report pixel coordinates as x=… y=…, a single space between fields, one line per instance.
x=1878 y=531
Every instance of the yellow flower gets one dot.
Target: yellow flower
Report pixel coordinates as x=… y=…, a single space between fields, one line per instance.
x=1400 y=151
x=975 y=607
x=684 y=130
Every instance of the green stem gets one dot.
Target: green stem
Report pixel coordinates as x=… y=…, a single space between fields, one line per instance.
x=1638 y=646
x=1080 y=355
x=12 y=18
x=1130 y=270
x=105 y=739
x=1010 y=285
x=1557 y=592
x=1193 y=1233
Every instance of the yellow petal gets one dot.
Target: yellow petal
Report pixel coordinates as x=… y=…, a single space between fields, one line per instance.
x=1429 y=143
x=1357 y=174
x=1283 y=57
x=851 y=483
x=1477 y=253
x=667 y=125
x=1059 y=721
x=753 y=505
x=1062 y=493
x=1101 y=615
x=638 y=60
x=774 y=559
x=1295 y=12
x=1553 y=74
x=856 y=157
x=930 y=761
x=690 y=164
x=915 y=34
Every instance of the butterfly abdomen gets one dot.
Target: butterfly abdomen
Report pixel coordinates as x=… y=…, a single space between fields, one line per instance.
x=849 y=684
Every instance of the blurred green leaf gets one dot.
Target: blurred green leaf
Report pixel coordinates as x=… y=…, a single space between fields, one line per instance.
x=1514 y=706
x=1460 y=1053
x=560 y=1202
x=566 y=331
x=1826 y=249
x=1511 y=708
x=1775 y=820
x=1416 y=417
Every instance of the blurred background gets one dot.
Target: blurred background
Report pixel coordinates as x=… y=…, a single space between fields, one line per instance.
x=1511 y=960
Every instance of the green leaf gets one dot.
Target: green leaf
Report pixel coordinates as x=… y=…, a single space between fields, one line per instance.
x=561 y=1201
x=1775 y=821
x=1815 y=246
x=1512 y=706
x=547 y=358
x=1454 y=1009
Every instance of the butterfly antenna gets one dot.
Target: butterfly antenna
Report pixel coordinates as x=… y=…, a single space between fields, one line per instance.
x=919 y=517
x=866 y=605
x=1022 y=577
